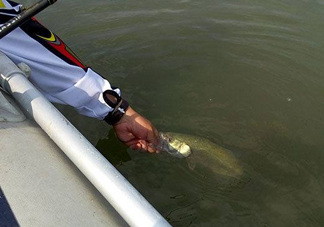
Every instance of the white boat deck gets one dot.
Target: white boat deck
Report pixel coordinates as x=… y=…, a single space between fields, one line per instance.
x=40 y=186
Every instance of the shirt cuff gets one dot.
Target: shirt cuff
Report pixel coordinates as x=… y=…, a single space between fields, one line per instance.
x=86 y=96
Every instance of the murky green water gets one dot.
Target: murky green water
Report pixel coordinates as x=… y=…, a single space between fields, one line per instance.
x=247 y=75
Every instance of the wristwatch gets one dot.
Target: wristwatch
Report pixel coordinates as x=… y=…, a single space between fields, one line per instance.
x=118 y=104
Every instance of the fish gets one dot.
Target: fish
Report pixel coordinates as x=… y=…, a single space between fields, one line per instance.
x=202 y=152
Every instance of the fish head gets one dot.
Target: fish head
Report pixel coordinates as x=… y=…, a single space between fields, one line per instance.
x=174 y=146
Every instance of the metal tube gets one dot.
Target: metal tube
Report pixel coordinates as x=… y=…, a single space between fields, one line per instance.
x=127 y=201
x=24 y=16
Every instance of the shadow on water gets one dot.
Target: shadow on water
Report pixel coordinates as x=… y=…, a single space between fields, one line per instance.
x=7 y=217
x=113 y=149
x=184 y=196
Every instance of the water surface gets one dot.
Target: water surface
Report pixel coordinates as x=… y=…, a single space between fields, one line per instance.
x=248 y=75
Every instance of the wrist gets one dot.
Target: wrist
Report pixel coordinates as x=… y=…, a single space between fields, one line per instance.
x=119 y=105
x=129 y=116
x=130 y=112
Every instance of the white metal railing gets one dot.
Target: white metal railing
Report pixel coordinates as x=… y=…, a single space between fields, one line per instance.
x=127 y=201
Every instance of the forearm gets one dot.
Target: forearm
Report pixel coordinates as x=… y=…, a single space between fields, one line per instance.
x=56 y=71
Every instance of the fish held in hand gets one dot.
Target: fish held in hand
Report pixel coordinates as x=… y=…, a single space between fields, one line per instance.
x=173 y=146
x=200 y=152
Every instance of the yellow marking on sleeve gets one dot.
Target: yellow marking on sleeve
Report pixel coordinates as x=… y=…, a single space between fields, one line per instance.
x=2 y=5
x=51 y=38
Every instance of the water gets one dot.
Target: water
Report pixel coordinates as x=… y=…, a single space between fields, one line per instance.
x=248 y=75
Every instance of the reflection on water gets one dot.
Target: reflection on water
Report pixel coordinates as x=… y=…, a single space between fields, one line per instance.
x=247 y=75
x=113 y=150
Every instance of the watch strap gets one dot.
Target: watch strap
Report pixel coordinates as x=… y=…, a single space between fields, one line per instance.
x=119 y=106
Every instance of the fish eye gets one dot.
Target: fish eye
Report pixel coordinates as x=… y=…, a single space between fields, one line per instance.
x=169 y=139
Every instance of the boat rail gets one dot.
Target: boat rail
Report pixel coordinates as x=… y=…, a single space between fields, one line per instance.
x=125 y=199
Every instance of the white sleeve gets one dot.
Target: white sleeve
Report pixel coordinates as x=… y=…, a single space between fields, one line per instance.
x=56 y=71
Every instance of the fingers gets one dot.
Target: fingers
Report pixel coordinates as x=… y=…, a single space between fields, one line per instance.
x=142 y=145
x=135 y=147
x=151 y=148
x=153 y=135
x=137 y=132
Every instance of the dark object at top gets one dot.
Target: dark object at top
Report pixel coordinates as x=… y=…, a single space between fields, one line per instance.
x=24 y=16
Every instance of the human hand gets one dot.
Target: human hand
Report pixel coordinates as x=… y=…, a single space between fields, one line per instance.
x=137 y=132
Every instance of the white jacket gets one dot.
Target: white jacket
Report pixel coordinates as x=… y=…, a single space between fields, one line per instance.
x=56 y=71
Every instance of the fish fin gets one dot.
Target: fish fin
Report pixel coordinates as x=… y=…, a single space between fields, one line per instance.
x=192 y=165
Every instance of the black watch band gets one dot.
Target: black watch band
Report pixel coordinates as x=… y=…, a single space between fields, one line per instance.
x=120 y=106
